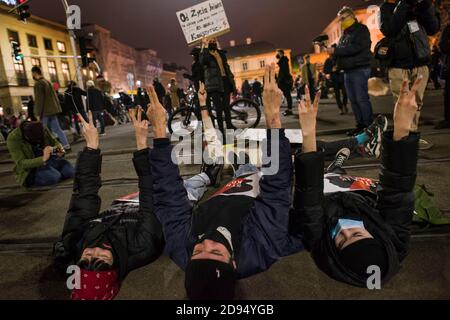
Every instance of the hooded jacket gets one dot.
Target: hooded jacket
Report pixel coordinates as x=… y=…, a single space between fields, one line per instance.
x=387 y=217
x=264 y=236
x=133 y=232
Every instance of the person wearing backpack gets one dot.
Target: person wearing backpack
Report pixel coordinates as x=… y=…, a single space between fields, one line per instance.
x=406 y=24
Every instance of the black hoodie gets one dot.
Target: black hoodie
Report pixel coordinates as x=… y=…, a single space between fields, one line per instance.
x=387 y=217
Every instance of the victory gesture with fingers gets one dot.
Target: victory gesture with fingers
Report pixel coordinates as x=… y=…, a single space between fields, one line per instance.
x=308 y=120
x=89 y=131
x=405 y=110
x=157 y=115
x=272 y=97
x=140 y=128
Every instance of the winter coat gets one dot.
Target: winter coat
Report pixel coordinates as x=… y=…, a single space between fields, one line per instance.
x=394 y=25
x=354 y=48
x=264 y=235
x=45 y=99
x=73 y=99
x=132 y=230
x=284 y=78
x=95 y=100
x=213 y=77
x=388 y=217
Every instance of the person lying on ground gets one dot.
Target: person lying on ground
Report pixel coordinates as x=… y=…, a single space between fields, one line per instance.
x=38 y=156
x=239 y=232
x=349 y=234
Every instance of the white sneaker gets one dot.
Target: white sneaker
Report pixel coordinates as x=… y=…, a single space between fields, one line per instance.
x=425 y=145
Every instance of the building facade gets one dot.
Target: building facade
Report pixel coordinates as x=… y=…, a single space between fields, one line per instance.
x=117 y=60
x=248 y=61
x=38 y=39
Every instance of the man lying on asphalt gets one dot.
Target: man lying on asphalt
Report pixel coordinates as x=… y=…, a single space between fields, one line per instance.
x=350 y=235
x=243 y=229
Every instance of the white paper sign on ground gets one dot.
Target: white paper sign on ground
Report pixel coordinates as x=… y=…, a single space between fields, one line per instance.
x=207 y=19
x=294 y=136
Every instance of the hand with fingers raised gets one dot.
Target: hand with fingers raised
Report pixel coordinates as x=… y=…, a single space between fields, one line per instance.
x=202 y=95
x=272 y=98
x=140 y=128
x=157 y=115
x=307 y=111
x=89 y=131
x=405 y=109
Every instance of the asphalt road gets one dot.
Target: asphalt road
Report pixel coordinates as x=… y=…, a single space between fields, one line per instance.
x=31 y=220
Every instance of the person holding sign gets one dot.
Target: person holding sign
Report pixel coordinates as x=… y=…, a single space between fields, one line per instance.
x=243 y=229
x=353 y=237
x=219 y=80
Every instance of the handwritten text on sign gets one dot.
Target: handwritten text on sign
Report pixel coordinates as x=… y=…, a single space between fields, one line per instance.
x=205 y=19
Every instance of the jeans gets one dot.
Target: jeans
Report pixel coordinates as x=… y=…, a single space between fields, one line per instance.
x=52 y=123
x=99 y=115
x=357 y=85
x=56 y=170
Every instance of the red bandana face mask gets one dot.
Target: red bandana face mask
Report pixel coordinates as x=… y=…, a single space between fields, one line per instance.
x=97 y=285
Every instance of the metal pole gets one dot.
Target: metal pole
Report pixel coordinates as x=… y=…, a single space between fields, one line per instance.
x=74 y=51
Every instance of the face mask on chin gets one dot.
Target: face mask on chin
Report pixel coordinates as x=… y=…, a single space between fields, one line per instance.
x=347 y=23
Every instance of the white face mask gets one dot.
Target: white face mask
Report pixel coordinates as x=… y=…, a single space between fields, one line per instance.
x=345 y=224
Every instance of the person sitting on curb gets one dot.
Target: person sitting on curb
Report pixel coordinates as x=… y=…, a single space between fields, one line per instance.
x=38 y=156
x=351 y=235
x=239 y=232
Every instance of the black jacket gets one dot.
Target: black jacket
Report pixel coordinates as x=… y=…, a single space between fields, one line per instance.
x=73 y=99
x=160 y=91
x=354 y=48
x=387 y=218
x=95 y=99
x=394 y=26
x=133 y=231
x=197 y=75
x=213 y=77
x=284 y=78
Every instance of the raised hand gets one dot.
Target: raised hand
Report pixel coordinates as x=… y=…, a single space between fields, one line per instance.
x=405 y=109
x=202 y=95
x=157 y=115
x=89 y=131
x=272 y=98
x=140 y=128
x=307 y=111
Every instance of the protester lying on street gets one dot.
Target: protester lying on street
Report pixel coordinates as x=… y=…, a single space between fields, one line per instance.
x=352 y=235
x=108 y=245
x=38 y=156
x=240 y=231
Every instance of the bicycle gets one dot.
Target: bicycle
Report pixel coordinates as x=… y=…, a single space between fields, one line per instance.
x=245 y=114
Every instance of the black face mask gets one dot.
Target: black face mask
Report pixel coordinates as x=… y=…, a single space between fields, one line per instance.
x=216 y=236
x=212 y=46
x=278 y=57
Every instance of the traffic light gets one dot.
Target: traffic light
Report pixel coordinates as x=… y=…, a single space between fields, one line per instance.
x=23 y=10
x=87 y=50
x=17 y=52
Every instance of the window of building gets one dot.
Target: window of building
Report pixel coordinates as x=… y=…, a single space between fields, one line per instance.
x=21 y=76
x=13 y=35
x=32 y=41
x=262 y=64
x=61 y=46
x=35 y=62
x=48 y=44
x=245 y=66
x=65 y=71
x=52 y=71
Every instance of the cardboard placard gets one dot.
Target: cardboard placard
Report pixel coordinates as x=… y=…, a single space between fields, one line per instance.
x=207 y=19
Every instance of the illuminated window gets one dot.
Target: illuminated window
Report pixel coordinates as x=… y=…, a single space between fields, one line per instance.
x=48 y=44
x=52 y=71
x=65 y=72
x=35 y=62
x=61 y=46
x=32 y=41
x=13 y=35
x=245 y=66
x=21 y=76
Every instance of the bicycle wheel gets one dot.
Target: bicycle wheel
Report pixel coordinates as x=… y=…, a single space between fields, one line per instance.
x=183 y=122
x=245 y=114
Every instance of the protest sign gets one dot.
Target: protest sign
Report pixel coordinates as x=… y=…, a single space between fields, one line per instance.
x=207 y=19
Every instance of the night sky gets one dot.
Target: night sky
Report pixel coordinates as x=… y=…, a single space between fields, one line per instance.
x=153 y=23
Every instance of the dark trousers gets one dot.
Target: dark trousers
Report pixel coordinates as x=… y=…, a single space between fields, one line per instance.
x=259 y=99
x=340 y=93
x=330 y=149
x=76 y=121
x=100 y=116
x=288 y=95
x=56 y=170
x=447 y=100
x=221 y=101
x=357 y=85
